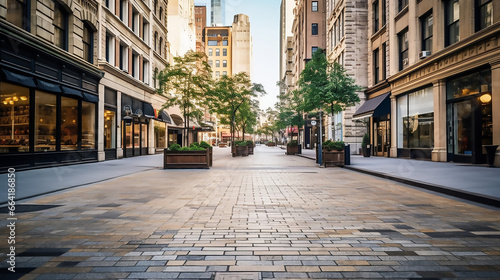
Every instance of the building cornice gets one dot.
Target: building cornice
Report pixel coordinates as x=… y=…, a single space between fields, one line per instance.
x=381 y=85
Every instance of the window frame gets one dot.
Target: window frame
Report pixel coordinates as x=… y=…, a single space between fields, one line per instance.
x=314 y=29
x=424 y=27
x=314 y=8
x=90 y=44
x=402 y=4
x=24 y=15
x=478 y=13
x=62 y=29
x=376 y=66
x=376 y=16
x=450 y=25
x=403 y=52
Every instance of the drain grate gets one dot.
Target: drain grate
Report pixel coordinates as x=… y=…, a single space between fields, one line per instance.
x=24 y=208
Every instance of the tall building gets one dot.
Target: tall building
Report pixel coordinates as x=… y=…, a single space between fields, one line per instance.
x=241 y=45
x=309 y=35
x=218 y=48
x=346 y=45
x=182 y=38
x=200 y=13
x=286 y=44
x=218 y=12
x=442 y=72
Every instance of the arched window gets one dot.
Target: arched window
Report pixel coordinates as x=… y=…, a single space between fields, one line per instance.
x=155 y=74
x=88 y=43
x=18 y=14
x=155 y=40
x=155 y=6
x=161 y=46
x=60 y=23
x=161 y=13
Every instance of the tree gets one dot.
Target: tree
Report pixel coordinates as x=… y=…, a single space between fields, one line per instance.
x=228 y=94
x=185 y=84
x=246 y=119
x=290 y=111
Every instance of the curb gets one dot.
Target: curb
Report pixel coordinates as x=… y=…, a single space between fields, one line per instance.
x=484 y=199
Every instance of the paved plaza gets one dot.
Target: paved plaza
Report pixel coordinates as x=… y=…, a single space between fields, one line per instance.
x=265 y=216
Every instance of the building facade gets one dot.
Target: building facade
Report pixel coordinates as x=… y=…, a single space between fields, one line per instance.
x=218 y=12
x=241 y=45
x=182 y=38
x=286 y=46
x=346 y=45
x=49 y=83
x=200 y=13
x=218 y=48
x=443 y=73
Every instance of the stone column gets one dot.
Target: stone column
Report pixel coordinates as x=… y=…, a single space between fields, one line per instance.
x=119 y=132
x=100 y=125
x=495 y=92
x=151 y=139
x=394 y=126
x=439 y=153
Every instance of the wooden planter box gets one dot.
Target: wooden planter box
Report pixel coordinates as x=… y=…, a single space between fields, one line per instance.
x=333 y=158
x=186 y=159
x=292 y=149
x=250 y=150
x=271 y=144
x=210 y=156
x=222 y=145
x=240 y=151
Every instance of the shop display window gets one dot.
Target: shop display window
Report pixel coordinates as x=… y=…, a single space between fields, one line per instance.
x=109 y=129
x=416 y=119
x=88 y=126
x=14 y=118
x=69 y=124
x=476 y=83
x=45 y=121
x=160 y=132
x=144 y=138
x=137 y=135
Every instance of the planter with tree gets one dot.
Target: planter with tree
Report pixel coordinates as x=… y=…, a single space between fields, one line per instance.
x=292 y=148
x=177 y=157
x=333 y=153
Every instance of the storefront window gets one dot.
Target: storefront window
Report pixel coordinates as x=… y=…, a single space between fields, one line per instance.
x=45 y=121
x=128 y=135
x=109 y=129
x=88 y=126
x=69 y=124
x=160 y=130
x=416 y=120
x=469 y=85
x=137 y=135
x=14 y=118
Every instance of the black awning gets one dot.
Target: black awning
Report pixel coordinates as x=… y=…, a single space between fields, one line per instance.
x=72 y=92
x=378 y=106
x=165 y=117
x=19 y=79
x=47 y=86
x=90 y=97
x=148 y=110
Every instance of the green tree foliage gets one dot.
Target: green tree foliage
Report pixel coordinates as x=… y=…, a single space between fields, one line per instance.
x=327 y=86
x=185 y=84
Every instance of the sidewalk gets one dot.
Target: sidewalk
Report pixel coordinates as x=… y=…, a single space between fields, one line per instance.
x=473 y=182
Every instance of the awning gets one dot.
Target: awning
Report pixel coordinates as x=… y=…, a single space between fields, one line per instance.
x=19 y=79
x=149 y=111
x=47 y=86
x=165 y=117
x=72 y=92
x=178 y=121
x=376 y=107
x=90 y=97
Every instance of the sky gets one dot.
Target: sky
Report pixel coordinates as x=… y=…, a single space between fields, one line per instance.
x=264 y=27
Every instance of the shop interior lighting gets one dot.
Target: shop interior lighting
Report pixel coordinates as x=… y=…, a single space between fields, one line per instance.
x=485 y=98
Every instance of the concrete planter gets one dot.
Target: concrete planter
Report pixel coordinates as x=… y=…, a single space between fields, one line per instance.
x=333 y=158
x=292 y=149
x=186 y=159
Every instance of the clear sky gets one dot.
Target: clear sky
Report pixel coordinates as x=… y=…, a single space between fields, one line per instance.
x=264 y=27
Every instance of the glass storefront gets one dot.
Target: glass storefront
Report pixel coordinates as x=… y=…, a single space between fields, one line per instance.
x=469 y=116
x=45 y=121
x=109 y=129
x=415 y=119
x=69 y=123
x=88 y=126
x=14 y=118
x=160 y=133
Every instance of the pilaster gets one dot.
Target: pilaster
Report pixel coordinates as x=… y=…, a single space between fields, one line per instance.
x=394 y=125
x=439 y=153
x=495 y=92
x=119 y=132
x=100 y=125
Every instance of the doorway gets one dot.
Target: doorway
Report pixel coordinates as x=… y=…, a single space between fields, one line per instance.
x=135 y=138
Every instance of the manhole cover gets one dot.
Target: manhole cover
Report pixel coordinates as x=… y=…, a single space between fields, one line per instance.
x=237 y=276
x=23 y=208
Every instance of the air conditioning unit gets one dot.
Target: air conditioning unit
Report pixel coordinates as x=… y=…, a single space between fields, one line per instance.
x=424 y=54
x=406 y=61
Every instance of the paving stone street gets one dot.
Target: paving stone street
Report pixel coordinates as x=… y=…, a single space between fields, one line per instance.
x=265 y=216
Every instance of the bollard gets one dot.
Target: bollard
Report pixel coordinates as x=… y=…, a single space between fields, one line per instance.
x=347 y=154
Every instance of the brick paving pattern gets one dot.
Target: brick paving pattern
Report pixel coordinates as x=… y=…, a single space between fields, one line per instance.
x=266 y=216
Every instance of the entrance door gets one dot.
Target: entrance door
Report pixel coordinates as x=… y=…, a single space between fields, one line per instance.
x=128 y=140
x=381 y=139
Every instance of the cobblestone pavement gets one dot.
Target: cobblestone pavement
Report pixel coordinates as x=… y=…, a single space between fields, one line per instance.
x=268 y=215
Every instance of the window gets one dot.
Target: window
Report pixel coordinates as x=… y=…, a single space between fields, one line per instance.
x=484 y=14
x=135 y=65
x=313 y=50
x=155 y=75
x=224 y=73
x=427 y=24
x=155 y=6
x=123 y=11
x=109 y=129
x=375 y=17
x=452 y=11
x=217 y=52
x=135 y=21
x=384 y=12
x=60 y=23
x=402 y=4
x=17 y=13
x=217 y=74
x=110 y=49
x=217 y=63
x=224 y=52
x=14 y=118
x=145 y=31
x=314 y=29
x=314 y=6
x=384 y=53
x=403 y=49
x=212 y=43
x=69 y=123
x=155 y=40
x=160 y=49
x=88 y=43
x=161 y=13
x=224 y=42
x=145 y=72
x=376 y=66
x=415 y=119
x=88 y=126
x=124 y=58
x=110 y=4
x=224 y=63
x=210 y=52
x=45 y=121
x=211 y=63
